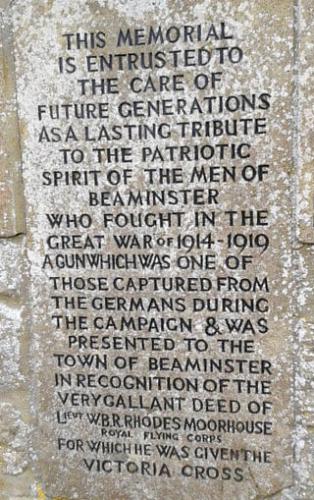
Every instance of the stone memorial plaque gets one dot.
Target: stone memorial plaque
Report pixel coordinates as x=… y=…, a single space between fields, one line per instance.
x=157 y=162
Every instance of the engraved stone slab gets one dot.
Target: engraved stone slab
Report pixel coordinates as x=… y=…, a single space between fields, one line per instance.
x=157 y=159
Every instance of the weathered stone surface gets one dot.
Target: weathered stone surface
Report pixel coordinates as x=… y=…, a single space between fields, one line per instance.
x=14 y=440
x=38 y=34
x=11 y=196
x=305 y=232
x=16 y=477
x=276 y=39
x=12 y=266
x=303 y=106
x=10 y=325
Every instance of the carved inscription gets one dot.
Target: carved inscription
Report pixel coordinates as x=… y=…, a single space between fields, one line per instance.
x=158 y=252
